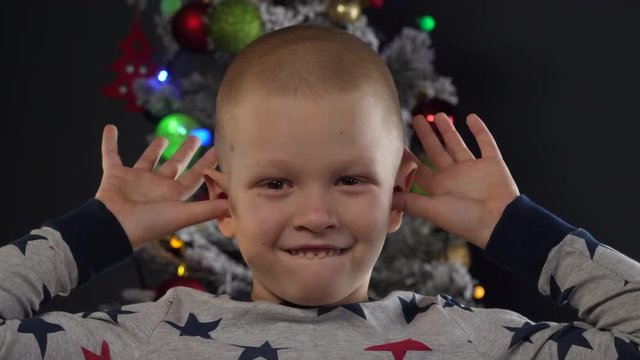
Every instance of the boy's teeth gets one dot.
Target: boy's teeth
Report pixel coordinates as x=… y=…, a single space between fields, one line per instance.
x=310 y=254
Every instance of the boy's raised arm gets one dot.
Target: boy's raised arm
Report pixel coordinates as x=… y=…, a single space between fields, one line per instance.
x=478 y=200
x=150 y=203
x=133 y=206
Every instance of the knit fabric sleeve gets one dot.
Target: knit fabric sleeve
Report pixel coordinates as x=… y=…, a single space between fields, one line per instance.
x=573 y=269
x=52 y=260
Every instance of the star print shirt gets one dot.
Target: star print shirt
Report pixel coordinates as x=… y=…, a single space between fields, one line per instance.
x=565 y=262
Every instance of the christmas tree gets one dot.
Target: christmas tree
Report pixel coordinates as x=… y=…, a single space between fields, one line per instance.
x=199 y=40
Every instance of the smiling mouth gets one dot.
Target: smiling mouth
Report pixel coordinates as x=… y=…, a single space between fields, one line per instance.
x=316 y=253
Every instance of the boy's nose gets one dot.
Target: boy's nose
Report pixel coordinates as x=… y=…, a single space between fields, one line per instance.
x=314 y=215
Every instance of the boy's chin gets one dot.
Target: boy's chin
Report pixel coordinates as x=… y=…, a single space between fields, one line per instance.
x=323 y=298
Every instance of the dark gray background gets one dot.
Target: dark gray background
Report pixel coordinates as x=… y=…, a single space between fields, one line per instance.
x=556 y=82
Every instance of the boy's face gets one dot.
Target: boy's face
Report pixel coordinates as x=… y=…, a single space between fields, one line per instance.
x=309 y=176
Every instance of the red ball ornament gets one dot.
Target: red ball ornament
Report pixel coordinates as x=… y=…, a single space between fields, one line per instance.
x=189 y=27
x=376 y=4
x=178 y=281
x=429 y=108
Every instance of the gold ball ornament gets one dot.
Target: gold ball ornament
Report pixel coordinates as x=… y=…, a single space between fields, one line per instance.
x=459 y=252
x=342 y=12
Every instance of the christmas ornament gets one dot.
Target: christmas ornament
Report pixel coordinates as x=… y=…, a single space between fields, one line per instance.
x=342 y=12
x=189 y=27
x=169 y=7
x=176 y=128
x=134 y=63
x=233 y=24
x=429 y=108
x=376 y=4
x=459 y=252
x=178 y=281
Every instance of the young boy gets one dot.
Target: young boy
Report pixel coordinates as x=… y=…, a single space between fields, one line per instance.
x=313 y=175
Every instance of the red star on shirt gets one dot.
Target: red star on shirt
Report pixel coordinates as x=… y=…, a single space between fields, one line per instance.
x=399 y=348
x=105 y=354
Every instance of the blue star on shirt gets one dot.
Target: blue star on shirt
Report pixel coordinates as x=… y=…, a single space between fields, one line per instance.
x=40 y=329
x=354 y=308
x=112 y=313
x=559 y=297
x=265 y=351
x=194 y=327
x=451 y=302
x=411 y=308
x=22 y=243
x=525 y=332
x=567 y=337
x=626 y=350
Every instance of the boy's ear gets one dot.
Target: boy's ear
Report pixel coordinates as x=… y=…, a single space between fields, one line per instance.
x=404 y=179
x=217 y=190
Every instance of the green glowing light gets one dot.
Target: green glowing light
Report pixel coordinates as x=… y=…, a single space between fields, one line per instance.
x=426 y=22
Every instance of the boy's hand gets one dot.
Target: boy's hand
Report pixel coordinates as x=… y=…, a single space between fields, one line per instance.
x=151 y=204
x=466 y=195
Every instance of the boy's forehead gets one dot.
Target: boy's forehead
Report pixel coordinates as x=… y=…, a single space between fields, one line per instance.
x=338 y=131
x=260 y=107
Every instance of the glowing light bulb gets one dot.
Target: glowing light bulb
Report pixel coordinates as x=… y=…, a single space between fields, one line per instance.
x=163 y=75
x=175 y=242
x=478 y=292
x=182 y=270
x=204 y=135
x=426 y=23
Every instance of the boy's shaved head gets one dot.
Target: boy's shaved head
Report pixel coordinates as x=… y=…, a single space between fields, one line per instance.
x=306 y=62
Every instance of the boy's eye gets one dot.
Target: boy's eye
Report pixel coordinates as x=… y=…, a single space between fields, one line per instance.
x=278 y=184
x=350 y=181
x=274 y=184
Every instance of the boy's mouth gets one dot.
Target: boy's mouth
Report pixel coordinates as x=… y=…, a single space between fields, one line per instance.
x=316 y=253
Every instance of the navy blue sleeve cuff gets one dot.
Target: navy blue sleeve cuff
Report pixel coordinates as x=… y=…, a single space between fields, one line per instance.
x=95 y=236
x=524 y=236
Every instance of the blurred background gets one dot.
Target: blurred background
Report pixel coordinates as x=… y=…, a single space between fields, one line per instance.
x=556 y=82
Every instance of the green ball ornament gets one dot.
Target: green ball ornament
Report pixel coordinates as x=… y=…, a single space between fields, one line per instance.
x=233 y=24
x=175 y=128
x=169 y=7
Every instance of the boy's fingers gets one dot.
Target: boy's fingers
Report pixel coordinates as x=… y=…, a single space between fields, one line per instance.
x=486 y=142
x=414 y=204
x=151 y=155
x=110 y=155
x=454 y=143
x=192 y=179
x=430 y=142
x=173 y=167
